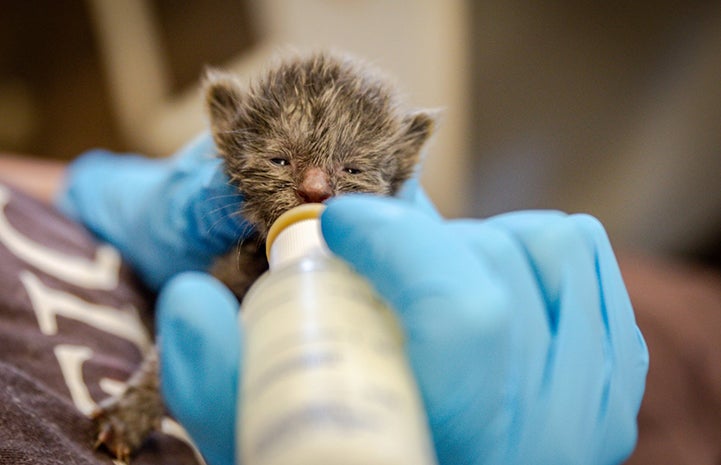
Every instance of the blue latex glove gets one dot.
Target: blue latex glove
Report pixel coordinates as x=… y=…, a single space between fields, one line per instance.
x=519 y=328
x=164 y=215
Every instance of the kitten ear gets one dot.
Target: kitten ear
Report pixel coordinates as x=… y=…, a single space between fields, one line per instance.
x=420 y=124
x=223 y=100
x=417 y=129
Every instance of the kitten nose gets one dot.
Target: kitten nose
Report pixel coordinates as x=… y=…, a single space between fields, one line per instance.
x=315 y=186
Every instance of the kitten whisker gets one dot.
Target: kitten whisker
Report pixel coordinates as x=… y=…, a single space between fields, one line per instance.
x=244 y=230
x=221 y=196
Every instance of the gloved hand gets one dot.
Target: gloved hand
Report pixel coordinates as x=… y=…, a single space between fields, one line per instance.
x=164 y=215
x=519 y=330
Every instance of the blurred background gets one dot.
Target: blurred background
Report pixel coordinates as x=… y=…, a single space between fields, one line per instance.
x=611 y=108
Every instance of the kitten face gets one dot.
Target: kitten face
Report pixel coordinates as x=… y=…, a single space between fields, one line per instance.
x=312 y=128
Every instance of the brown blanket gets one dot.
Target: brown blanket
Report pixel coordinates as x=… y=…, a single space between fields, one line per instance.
x=678 y=308
x=71 y=331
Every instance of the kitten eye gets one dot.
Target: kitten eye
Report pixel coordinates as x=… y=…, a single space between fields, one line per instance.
x=351 y=170
x=280 y=161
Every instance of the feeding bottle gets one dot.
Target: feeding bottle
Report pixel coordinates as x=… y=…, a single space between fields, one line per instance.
x=325 y=379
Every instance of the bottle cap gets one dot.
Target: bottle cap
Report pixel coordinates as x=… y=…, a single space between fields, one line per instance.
x=294 y=234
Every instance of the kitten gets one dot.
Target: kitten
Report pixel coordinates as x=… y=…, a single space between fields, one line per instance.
x=310 y=128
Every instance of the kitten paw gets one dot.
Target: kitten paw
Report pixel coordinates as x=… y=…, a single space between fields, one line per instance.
x=123 y=423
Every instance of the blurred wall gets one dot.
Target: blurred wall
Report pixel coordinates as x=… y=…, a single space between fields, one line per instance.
x=611 y=108
x=56 y=96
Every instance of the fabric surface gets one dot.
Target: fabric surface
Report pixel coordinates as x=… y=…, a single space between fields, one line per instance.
x=678 y=308
x=72 y=330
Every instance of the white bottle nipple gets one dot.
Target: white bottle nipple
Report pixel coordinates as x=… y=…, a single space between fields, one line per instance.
x=295 y=234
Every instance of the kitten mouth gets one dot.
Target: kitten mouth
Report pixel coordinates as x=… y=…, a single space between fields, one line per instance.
x=264 y=226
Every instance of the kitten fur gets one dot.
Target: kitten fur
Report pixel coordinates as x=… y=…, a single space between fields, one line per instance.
x=322 y=111
x=311 y=127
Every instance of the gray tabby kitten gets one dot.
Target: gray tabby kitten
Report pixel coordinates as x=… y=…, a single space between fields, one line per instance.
x=310 y=128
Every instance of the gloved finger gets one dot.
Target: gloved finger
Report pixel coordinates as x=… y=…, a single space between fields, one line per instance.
x=200 y=352
x=578 y=366
x=454 y=313
x=529 y=337
x=621 y=322
x=412 y=191
x=531 y=334
x=94 y=178
x=627 y=349
x=164 y=215
x=553 y=243
x=88 y=194
x=215 y=204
